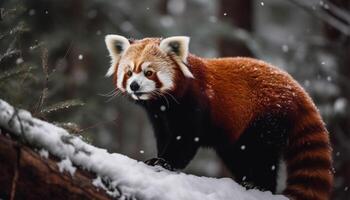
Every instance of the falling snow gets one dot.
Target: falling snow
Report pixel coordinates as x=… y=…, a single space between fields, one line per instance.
x=31 y=12
x=340 y=105
x=285 y=48
x=142 y=151
x=19 y=61
x=162 y=108
x=262 y=3
x=178 y=137
x=243 y=147
x=196 y=139
x=80 y=57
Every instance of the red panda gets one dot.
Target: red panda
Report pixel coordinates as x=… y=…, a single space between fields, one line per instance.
x=257 y=118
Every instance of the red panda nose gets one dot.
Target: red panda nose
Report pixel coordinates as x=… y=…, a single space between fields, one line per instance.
x=134 y=86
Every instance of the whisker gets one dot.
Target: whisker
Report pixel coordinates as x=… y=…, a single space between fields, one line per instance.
x=162 y=95
x=116 y=94
x=108 y=94
x=172 y=96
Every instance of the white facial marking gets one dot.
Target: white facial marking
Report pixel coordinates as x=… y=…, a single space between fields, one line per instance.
x=146 y=86
x=166 y=80
x=145 y=65
x=121 y=72
x=281 y=177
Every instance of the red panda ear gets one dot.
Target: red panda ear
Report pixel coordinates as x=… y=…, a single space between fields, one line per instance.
x=178 y=48
x=116 y=46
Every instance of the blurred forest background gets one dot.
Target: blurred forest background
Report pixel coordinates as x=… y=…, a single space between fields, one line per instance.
x=53 y=60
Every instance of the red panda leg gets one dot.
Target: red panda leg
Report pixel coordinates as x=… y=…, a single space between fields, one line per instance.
x=254 y=158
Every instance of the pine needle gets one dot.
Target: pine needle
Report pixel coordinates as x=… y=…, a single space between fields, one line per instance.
x=62 y=105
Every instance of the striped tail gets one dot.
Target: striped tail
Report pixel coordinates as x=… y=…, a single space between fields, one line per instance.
x=309 y=158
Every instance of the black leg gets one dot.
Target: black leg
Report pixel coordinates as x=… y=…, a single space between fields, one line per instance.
x=254 y=158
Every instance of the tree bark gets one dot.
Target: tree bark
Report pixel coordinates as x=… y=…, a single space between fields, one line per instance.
x=340 y=125
x=239 y=14
x=26 y=175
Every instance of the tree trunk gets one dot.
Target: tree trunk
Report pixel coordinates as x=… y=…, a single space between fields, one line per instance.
x=340 y=125
x=26 y=175
x=239 y=14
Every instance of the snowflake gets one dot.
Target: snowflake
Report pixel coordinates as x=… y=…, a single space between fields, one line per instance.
x=162 y=108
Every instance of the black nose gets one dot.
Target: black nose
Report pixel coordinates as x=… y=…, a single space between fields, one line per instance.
x=134 y=86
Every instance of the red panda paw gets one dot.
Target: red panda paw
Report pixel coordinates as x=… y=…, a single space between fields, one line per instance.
x=159 y=162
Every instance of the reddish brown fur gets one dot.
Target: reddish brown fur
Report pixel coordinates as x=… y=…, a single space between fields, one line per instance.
x=245 y=88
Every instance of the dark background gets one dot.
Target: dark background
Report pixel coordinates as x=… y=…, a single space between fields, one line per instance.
x=53 y=60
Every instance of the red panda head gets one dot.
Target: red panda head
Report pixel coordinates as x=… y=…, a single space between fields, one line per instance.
x=147 y=68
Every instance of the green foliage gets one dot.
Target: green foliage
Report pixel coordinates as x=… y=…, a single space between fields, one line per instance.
x=25 y=72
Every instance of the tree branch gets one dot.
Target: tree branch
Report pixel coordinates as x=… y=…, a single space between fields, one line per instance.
x=26 y=175
x=340 y=20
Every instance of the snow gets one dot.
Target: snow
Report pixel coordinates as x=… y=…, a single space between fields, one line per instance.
x=273 y=167
x=31 y=12
x=66 y=165
x=43 y=153
x=118 y=174
x=340 y=105
x=162 y=108
x=19 y=61
x=285 y=48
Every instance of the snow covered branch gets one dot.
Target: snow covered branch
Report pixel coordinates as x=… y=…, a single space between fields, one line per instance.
x=90 y=168
x=26 y=174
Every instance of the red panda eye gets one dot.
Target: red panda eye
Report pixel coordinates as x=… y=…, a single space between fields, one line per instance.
x=129 y=73
x=148 y=73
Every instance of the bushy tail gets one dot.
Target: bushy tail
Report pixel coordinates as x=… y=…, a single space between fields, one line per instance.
x=309 y=158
